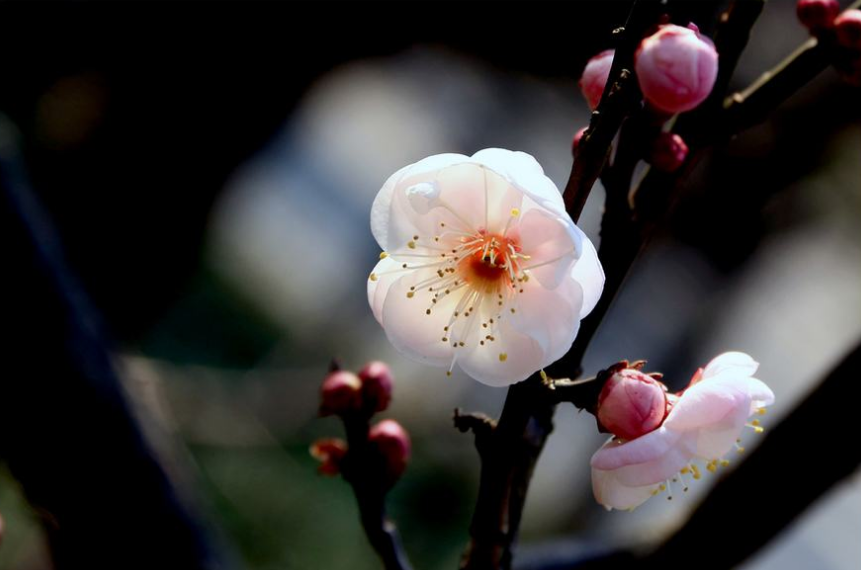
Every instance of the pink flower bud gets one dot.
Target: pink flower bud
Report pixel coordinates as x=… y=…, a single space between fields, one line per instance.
x=847 y=28
x=817 y=15
x=668 y=152
x=393 y=444
x=575 y=142
x=376 y=380
x=341 y=393
x=329 y=452
x=595 y=77
x=631 y=404
x=676 y=68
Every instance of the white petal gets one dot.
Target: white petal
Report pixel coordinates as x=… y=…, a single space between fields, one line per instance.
x=524 y=172
x=423 y=196
x=385 y=273
x=550 y=316
x=523 y=356
x=552 y=242
x=612 y=494
x=382 y=215
x=587 y=271
x=408 y=327
x=742 y=364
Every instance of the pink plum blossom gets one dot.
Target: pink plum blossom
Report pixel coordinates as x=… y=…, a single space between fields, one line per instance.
x=482 y=267
x=704 y=424
x=595 y=76
x=676 y=68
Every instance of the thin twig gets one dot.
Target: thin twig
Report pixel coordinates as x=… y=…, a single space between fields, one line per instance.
x=363 y=468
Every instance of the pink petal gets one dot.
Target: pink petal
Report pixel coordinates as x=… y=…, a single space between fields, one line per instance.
x=550 y=316
x=408 y=327
x=649 y=447
x=552 y=243
x=705 y=403
x=523 y=171
x=660 y=468
x=738 y=362
x=612 y=494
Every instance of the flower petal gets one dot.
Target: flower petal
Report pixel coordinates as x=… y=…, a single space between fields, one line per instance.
x=409 y=328
x=706 y=403
x=523 y=171
x=645 y=460
x=612 y=494
x=550 y=316
x=615 y=454
x=385 y=273
x=742 y=364
x=512 y=357
x=587 y=271
x=386 y=216
x=552 y=243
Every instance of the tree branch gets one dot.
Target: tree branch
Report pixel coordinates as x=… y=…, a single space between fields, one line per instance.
x=363 y=468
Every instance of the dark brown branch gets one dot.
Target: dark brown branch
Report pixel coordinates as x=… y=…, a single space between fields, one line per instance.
x=621 y=96
x=825 y=413
x=364 y=468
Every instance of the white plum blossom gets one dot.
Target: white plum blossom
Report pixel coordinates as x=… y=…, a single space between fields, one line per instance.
x=703 y=424
x=481 y=265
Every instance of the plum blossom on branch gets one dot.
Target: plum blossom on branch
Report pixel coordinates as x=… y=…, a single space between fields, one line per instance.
x=703 y=422
x=482 y=267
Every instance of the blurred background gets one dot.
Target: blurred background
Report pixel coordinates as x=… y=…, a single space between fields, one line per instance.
x=209 y=170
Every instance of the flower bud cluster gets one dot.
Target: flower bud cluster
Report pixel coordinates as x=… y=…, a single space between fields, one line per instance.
x=380 y=451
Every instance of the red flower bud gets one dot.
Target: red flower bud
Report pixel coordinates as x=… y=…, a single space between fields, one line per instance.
x=631 y=404
x=595 y=76
x=847 y=28
x=668 y=152
x=676 y=68
x=817 y=15
x=393 y=444
x=341 y=393
x=376 y=380
x=329 y=452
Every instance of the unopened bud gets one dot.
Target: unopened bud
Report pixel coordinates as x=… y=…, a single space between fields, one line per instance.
x=817 y=15
x=376 y=380
x=595 y=76
x=847 y=28
x=631 y=404
x=341 y=393
x=669 y=152
x=393 y=444
x=676 y=68
x=575 y=142
x=330 y=453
